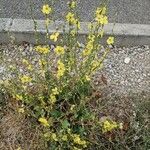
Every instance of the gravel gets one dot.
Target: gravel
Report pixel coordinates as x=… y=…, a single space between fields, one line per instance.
x=126 y=70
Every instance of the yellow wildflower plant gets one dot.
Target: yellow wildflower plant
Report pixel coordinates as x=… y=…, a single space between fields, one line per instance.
x=55 y=91
x=101 y=19
x=121 y=125
x=87 y=78
x=42 y=62
x=54 y=137
x=54 y=36
x=56 y=86
x=25 y=79
x=42 y=49
x=60 y=73
x=101 y=11
x=110 y=40
x=46 y=9
x=64 y=138
x=61 y=69
x=52 y=98
x=79 y=141
x=21 y=110
x=25 y=61
x=109 y=125
x=72 y=4
x=59 y=50
x=44 y=122
x=18 y=97
x=91 y=38
x=86 y=52
x=30 y=67
x=70 y=17
x=72 y=107
x=77 y=23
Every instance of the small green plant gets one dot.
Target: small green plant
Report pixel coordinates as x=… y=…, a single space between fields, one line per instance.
x=57 y=89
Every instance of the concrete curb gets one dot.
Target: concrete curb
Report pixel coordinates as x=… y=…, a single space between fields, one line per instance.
x=23 y=30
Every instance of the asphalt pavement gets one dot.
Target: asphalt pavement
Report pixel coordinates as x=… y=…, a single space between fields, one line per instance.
x=120 y=11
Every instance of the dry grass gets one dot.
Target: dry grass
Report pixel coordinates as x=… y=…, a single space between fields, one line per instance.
x=17 y=130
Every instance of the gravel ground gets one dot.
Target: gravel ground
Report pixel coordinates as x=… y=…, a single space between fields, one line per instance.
x=125 y=71
x=128 y=70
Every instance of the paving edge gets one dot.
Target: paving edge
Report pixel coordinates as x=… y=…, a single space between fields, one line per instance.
x=23 y=30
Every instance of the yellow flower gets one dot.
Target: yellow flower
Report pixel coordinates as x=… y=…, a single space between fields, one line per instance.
x=42 y=49
x=52 y=98
x=70 y=18
x=77 y=140
x=90 y=45
x=30 y=67
x=60 y=73
x=59 y=50
x=87 y=78
x=46 y=9
x=19 y=97
x=72 y=107
x=24 y=87
x=55 y=91
x=109 y=126
x=110 y=40
x=42 y=62
x=25 y=79
x=12 y=67
x=21 y=110
x=25 y=61
x=104 y=10
x=73 y=4
x=64 y=138
x=54 y=36
x=44 y=122
x=101 y=19
x=95 y=64
x=61 y=69
x=121 y=125
x=60 y=65
x=54 y=137
x=104 y=20
x=86 y=52
x=77 y=23
x=91 y=38
x=101 y=11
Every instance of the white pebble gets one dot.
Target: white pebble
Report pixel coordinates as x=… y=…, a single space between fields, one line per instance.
x=127 y=60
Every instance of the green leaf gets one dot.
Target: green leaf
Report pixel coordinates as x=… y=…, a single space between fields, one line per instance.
x=65 y=124
x=56 y=113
